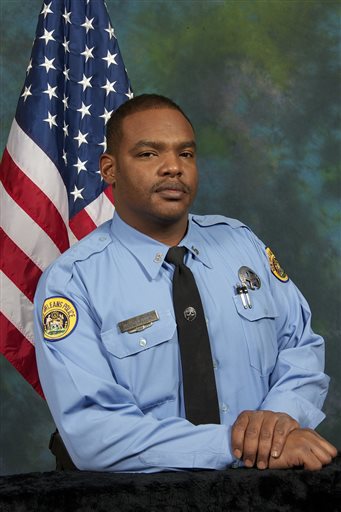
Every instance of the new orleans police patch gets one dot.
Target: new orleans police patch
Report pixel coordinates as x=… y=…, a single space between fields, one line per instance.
x=59 y=316
x=276 y=268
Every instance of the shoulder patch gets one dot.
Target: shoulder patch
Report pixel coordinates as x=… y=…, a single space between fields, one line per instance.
x=275 y=267
x=59 y=318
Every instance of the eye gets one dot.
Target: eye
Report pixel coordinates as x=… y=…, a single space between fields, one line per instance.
x=187 y=154
x=146 y=154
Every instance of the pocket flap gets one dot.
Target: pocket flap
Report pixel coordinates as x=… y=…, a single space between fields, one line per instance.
x=124 y=344
x=262 y=306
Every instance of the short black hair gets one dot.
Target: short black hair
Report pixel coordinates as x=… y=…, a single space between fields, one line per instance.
x=137 y=104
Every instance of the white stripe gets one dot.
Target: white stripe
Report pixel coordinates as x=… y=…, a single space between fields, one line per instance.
x=72 y=237
x=32 y=160
x=16 y=307
x=101 y=209
x=31 y=239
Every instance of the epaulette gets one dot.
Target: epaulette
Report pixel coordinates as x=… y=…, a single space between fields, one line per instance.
x=213 y=220
x=93 y=243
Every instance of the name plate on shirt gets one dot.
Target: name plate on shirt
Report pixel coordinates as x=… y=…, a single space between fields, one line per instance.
x=138 y=323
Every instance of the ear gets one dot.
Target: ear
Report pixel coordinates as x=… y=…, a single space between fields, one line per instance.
x=108 y=168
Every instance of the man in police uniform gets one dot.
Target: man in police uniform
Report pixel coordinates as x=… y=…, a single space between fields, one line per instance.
x=114 y=382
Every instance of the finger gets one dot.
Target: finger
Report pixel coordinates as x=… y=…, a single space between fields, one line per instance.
x=251 y=438
x=284 y=425
x=325 y=445
x=323 y=455
x=265 y=440
x=311 y=461
x=238 y=432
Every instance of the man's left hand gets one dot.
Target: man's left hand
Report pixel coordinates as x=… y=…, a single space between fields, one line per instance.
x=258 y=434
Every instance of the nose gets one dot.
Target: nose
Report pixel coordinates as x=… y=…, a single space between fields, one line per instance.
x=171 y=165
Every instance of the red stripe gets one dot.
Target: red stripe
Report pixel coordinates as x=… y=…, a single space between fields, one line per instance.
x=33 y=201
x=108 y=193
x=18 y=267
x=82 y=224
x=20 y=352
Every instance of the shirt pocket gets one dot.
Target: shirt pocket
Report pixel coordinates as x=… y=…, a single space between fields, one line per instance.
x=259 y=325
x=125 y=344
x=147 y=363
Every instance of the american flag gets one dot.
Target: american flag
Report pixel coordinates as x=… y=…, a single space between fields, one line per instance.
x=52 y=191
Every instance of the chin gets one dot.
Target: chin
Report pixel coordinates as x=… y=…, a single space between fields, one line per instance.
x=171 y=215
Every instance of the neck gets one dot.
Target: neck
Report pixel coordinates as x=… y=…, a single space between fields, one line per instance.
x=168 y=233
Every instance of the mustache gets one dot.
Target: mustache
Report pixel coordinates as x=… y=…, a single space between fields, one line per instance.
x=171 y=185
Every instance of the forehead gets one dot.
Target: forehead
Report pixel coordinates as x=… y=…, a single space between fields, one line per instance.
x=156 y=124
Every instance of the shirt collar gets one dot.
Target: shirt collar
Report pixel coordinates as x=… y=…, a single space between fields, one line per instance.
x=151 y=253
x=196 y=243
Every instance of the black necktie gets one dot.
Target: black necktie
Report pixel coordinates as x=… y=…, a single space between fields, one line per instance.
x=200 y=392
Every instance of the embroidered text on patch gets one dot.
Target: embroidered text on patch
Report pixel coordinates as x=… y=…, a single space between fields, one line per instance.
x=59 y=316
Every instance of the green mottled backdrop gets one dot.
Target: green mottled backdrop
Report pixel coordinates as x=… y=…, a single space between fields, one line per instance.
x=261 y=81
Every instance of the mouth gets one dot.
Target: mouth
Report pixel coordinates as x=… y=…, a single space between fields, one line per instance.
x=169 y=190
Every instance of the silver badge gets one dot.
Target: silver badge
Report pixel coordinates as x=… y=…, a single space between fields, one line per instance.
x=249 y=278
x=190 y=314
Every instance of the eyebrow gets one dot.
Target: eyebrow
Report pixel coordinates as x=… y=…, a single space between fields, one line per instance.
x=161 y=145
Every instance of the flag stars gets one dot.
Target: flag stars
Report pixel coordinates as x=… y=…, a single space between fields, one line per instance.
x=81 y=137
x=77 y=193
x=80 y=165
x=85 y=82
x=110 y=58
x=110 y=31
x=66 y=16
x=104 y=144
x=47 y=36
x=66 y=72
x=27 y=92
x=106 y=115
x=65 y=101
x=51 y=120
x=66 y=45
x=129 y=94
x=64 y=156
x=51 y=91
x=84 y=110
x=109 y=87
x=46 y=10
x=88 y=24
x=29 y=67
x=88 y=53
x=47 y=64
x=66 y=129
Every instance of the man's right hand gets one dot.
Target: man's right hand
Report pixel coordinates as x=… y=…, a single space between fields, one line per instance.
x=304 y=447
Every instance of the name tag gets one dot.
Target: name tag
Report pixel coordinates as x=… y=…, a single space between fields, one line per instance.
x=138 y=323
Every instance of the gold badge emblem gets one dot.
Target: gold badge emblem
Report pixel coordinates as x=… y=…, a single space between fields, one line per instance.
x=59 y=316
x=276 y=268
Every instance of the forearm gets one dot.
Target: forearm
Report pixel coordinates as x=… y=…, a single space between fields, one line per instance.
x=108 y=432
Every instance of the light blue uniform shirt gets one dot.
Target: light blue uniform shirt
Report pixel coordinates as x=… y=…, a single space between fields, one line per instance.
x=117 y=398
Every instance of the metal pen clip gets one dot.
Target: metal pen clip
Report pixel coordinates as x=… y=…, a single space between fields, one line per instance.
x=242 y=291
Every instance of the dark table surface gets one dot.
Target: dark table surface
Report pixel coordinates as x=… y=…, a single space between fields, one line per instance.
x=229 y=490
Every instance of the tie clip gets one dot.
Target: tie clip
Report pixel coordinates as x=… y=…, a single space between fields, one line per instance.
x=138 y=323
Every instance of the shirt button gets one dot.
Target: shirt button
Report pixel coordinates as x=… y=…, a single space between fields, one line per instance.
x=142 y=342
x=224 y=408
x=102 y=238
x=158 y=257
x=215 y=364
